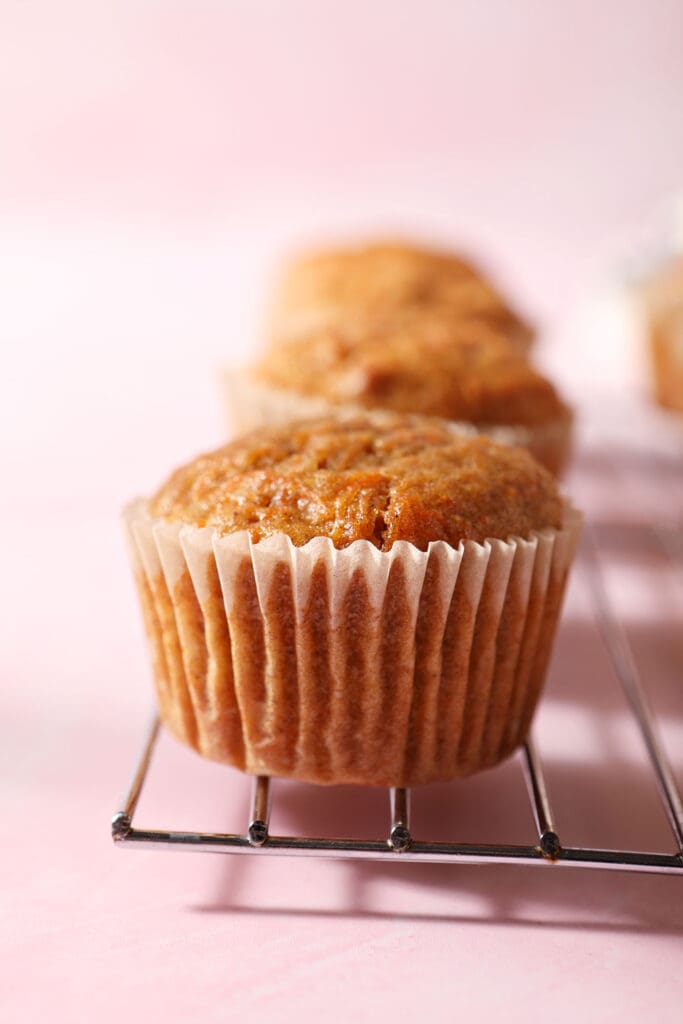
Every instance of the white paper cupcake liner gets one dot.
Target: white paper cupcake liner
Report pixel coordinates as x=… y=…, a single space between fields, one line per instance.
x=352 y=665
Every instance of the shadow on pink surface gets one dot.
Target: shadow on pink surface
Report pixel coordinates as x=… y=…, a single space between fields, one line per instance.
x=500 y=896
x=657 y=648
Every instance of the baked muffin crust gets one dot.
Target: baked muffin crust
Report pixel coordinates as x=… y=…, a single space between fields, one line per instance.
x=375 y=280
x=377 y=477
x=419 y=363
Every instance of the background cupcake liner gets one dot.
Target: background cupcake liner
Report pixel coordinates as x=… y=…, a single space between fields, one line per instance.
x=250 y=404
x=352 y=665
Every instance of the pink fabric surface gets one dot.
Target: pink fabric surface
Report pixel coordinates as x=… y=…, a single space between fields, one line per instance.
x=156 y=160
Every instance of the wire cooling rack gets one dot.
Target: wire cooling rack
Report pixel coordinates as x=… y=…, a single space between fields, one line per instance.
x=396 y=840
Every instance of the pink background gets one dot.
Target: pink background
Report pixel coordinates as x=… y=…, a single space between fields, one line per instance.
x=156 y=159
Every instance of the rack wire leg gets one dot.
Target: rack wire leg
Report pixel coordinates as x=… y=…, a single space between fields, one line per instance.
x=400 y=838
x=122 y=820
x=548 y=839
x=257 y=833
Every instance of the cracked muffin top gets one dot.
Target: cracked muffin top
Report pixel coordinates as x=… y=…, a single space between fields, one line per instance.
x=419 y=363
x=379 y=477
x=375 y=280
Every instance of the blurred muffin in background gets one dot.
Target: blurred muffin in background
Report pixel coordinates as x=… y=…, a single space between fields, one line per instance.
x=382 y=279
x=662 y=300
x=418 y=362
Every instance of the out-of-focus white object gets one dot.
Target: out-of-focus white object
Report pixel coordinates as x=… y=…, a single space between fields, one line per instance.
x=610 y=372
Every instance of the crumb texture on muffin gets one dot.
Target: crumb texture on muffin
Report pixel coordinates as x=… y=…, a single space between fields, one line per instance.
x=421 y=364
x=375 y=477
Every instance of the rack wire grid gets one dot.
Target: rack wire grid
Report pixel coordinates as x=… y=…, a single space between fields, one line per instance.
x=397 y=840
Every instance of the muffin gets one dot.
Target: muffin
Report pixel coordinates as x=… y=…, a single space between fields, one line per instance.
x=419 y=364
x=381 y=280
x=367 y=599
x=662 y=298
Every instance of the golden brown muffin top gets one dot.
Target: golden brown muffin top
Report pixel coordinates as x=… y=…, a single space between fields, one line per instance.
x=375 y=280
x=417 y=363
x=380 y=477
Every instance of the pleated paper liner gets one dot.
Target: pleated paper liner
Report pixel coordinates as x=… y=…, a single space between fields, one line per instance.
x=250 y=404
x=353 y=665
